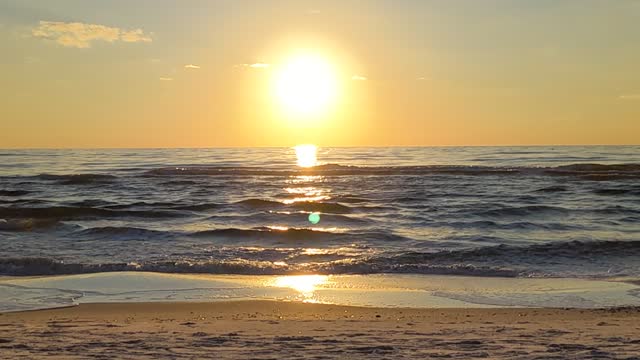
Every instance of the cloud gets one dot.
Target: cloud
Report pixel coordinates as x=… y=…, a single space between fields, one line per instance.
x=136 y=35
x=81 y=35
x=630 y=97
x=259 y=65
x=422 y=78
x=166 y=79
x=191 y=66
x=358 y=78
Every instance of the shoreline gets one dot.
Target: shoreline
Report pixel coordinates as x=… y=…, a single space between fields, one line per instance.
x=372 y=291
x=277 y=329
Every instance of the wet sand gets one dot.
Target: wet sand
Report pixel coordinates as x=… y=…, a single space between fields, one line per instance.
x=293 y=330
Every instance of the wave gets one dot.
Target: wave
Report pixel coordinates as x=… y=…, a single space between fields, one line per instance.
x=140 y=204
x=590 y=168
x=551 y=211
x=46 y=266
x=518 y=225
x=615 y=210
x=293 y=234
x=91 y=203
x=613 y=192
x=78 y=179
x=26 y=224
x=500 y=261
x=571 y=249
x=291 y=218
x=266 y=233
x=75 y=212
x=261 y=234
x=586 y=171
x=521 y=211
x=311 y=206
x=553 y=189
x=122 y=233
x=259 y=203
x=179 y=183
x=14 y=192
x=198 y=207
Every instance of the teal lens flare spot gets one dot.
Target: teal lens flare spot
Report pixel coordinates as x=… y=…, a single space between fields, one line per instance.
x=314 y=218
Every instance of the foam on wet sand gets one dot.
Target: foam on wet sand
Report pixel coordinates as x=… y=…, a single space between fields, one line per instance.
x=381 y=290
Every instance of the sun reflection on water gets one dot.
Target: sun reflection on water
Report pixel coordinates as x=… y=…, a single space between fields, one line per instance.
x=306 y=194
x=306 y=199
x=302 y=179
x=307 y=155
x=306 y=285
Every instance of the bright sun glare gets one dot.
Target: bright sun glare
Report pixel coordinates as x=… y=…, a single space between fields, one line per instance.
x=306 y=85
x=304 y=284
x=306 y=155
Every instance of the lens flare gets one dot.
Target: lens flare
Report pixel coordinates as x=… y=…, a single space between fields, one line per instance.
x=314 y=218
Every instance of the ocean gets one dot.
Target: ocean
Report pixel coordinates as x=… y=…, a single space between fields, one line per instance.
x=513 y=212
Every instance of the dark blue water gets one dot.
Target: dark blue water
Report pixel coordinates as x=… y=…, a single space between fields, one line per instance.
x=493 y=211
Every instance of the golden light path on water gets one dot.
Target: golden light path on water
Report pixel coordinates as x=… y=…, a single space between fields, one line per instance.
x=305 y=285
x=307 y=155
x=303 y=190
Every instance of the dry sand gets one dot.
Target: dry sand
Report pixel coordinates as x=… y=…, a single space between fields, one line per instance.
x=288 y=330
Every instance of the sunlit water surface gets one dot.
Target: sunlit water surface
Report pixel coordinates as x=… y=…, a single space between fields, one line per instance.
x=490 y=211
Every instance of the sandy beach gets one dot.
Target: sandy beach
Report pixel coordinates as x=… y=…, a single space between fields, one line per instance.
x=326 y=179
x=279 y=330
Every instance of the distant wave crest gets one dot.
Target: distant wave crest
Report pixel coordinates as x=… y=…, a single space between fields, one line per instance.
x=78 y=212
x=587 y=171
x=78 y=179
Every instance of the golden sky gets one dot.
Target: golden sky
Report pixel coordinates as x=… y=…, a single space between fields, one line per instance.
x=170 y=73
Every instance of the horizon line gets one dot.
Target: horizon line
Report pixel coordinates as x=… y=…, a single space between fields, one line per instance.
x=320 y=146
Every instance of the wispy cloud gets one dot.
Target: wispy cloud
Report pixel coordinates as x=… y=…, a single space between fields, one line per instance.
x=136 y=35
x=359 y=78
x=258 y=65
x=81 y=35
x=192 y=67
x=630 y=97
x=166 y=79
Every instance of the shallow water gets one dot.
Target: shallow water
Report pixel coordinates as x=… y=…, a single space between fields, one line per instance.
x=489 y=211
x=386 y=290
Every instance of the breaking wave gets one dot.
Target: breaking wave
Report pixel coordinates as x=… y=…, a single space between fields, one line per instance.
x=503 y=260
x=45 y=266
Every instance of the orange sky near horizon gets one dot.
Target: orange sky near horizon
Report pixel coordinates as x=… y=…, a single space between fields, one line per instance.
x=91 y=74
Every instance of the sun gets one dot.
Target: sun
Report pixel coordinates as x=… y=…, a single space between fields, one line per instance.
x=306 y=85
